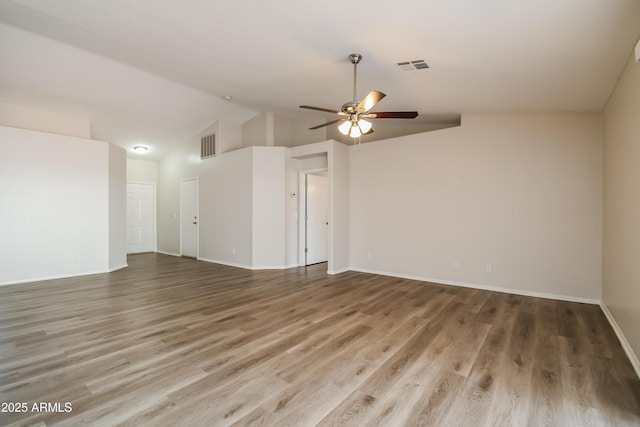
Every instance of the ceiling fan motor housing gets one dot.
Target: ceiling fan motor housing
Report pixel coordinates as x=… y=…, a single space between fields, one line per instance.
x=349 y=107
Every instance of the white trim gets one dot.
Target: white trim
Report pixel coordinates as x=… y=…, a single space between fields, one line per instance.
x=155 y=211
x=623 y=340
x=168 y=253
x=344 y=270
x=248 y=267
x=484 y=287
x=302 y=189
x=62 y=276
x=302 y=211
x=268 y=267
x=197 y=212
x=230 y=264
x=119 y=267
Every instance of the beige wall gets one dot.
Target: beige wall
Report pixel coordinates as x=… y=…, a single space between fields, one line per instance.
x=266 y=129
x=29 y=118
x=522 y=192
x=254 y=131
x=142 y=171
x=621 y=269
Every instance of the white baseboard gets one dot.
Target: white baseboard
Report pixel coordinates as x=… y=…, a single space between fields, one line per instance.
x=230 y=264
x=249 y=267
x=168 y=253
x=483 y=287
x=269 y=267
x=55 y=277
x=119 y=267
x=623 y=340
x=342 y=270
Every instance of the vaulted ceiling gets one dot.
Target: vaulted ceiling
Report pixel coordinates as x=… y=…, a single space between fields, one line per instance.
x=156 y=71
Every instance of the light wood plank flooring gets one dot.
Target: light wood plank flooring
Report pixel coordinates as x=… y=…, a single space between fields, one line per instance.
x=173 y=341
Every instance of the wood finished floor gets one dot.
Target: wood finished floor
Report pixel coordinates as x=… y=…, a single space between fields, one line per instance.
x=171 y=341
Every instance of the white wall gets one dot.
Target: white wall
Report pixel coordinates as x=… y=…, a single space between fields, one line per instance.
x=293 y=205
x=241 y=204
x=224 y=197
x=339 y=207
x=521 y=192
x=117 y=207
x=180 y=164
x=268 y=207
x=337 y=158
x=621 y=272
x=54 y=206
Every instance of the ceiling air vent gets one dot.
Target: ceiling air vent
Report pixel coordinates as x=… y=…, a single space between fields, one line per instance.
x=208 y=146
x=418 y=64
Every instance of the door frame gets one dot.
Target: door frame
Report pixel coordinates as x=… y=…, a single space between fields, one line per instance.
x=302 y=211
x=197 y=213
x=155 y=211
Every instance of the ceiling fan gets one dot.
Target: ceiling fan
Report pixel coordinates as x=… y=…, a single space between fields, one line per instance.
x=356 y=115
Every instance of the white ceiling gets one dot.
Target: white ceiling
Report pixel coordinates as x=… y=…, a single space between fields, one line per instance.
x=155 y=71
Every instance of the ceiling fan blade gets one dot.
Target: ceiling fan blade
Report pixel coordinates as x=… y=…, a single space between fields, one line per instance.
x=370 y=100
x=395 y=115
x=327 y=124
x=327 y=110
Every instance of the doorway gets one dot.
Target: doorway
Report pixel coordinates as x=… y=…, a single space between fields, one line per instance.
x=316 y=215
x=141 y=217
x=189 y=218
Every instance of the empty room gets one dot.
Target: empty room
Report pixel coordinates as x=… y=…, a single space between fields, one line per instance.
x=419 y=213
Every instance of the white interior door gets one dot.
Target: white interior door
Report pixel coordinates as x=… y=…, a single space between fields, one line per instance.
x=140 y=218
x=317 y=219
x=189 y=218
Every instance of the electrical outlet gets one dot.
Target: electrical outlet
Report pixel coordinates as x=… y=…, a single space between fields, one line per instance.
x=369 y=255
x=489 y=268
x=456 y=265
x=233 y=250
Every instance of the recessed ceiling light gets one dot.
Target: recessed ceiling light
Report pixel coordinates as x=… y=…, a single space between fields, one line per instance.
x=227 y=97
x=140 y=149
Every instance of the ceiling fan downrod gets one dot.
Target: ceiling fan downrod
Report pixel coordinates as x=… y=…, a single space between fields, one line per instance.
x=355 y=60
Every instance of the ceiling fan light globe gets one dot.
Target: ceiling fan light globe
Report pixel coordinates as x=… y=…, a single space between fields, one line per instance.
x=355 y=131
x=345 y=127
x=365 y=126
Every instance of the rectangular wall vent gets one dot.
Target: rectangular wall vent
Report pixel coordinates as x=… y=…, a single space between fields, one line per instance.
x=418 y=64
x=208 y=146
